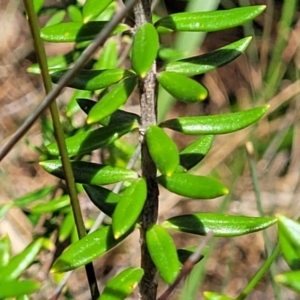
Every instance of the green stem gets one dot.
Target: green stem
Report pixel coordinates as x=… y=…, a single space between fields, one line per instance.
x=277 y=65
x=260 y=273
x=59 y=136
x=255 y=182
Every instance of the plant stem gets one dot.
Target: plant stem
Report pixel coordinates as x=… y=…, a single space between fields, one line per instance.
x=59 y=136
x=147 y=90
x=260 y=273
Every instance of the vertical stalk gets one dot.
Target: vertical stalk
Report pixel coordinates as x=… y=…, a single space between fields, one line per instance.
x=147 y=90
x=59 y=136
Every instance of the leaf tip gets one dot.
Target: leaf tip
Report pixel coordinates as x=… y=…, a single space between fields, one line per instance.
x=117 y=235
x=89 y=121
x=202 y=96
x=226 y=191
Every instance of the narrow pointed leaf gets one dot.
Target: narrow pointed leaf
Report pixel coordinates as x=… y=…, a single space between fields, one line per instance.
x=209 y=61
x=192 y=186
x=33 y=196
x=56 y=18
x=93 y=8
x=221 y=225
x=103 y=198
x=163 y=253
x=108 y=58
x=122 y=285
x=181 y=87
x=73 y=107
x=4 y=251
x=290 y=280
x=74 y=13
x=86 y=250
x=111 y=101
x=195 y=152
x=38 y=4
x=215 y=296
x=129 y=207
x=162 y=149
x=54 y=64
x=88 y=141
x=16 y=288
x=20 y=262
x=144 y=49
x=289 y=235
x=171 y=54
x=51 y=206
x=210 y=21
x=118 y=117
x=76 y=31
x=217 y=124
x=66 y=227
x=92 y=79
x=90 y=173
x=185 y=253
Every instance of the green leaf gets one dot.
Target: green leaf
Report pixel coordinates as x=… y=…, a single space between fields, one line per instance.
x=74 y=13
x=16 y=288
x=196 y=151
x=181 y=87
x=217 y=124
x=103 y=198
x=108 y=58
x=4 y=251
x=23 y=297
x=66 y=227
x=56 y=18
x=118 y=117
x=20 y=262
x=185 y=253
x=163 y=253
x=88 y=141
x=209 y=61
x=290 y=279
x=211 y=20
x=72 y=106
x=170 y=54
x=162 y=149
x=90 y=173
x=215 y=296
x=93 y=8
x=33 y=196
x=111 y=101
x=122 y=285
x=76 y=31
x=86 y=250
x=192 y=186
x=289 y=239
x=221 y=225
x=92 y=79
x=38 y=4
x=54 y=63
x=129 y=207
x=51 y=206
x=144 y=49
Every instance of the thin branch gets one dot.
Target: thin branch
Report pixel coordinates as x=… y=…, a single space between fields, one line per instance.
x=83 y=59
x=59 y=136
x=147 y=91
